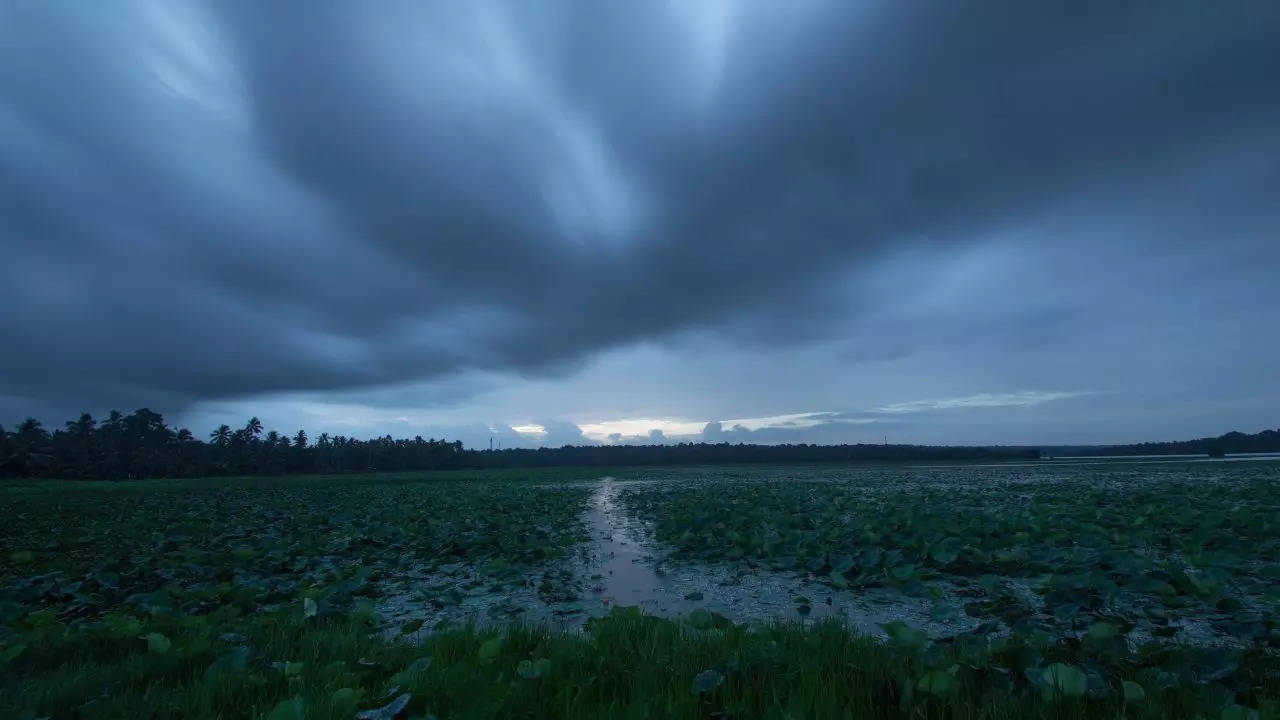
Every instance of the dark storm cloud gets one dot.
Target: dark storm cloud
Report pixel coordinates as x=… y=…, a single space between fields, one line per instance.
x=205 y=201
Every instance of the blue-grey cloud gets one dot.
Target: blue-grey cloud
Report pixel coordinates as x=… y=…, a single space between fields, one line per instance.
x=203 y=201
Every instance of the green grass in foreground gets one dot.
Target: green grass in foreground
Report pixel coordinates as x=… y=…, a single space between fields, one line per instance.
x=286 y=665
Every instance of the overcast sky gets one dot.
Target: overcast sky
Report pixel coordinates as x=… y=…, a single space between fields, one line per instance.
x=551 y=222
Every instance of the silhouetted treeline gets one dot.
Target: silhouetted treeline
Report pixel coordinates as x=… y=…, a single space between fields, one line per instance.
x=1267 y=441
x=141 y=445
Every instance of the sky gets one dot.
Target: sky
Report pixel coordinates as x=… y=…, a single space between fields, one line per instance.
x=581 y=222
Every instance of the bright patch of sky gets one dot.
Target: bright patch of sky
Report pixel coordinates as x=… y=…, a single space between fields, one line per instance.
x=981 y=400
x=633 y=427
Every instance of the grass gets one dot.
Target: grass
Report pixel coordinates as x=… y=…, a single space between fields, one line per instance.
x=257 y=598
x=283 y=665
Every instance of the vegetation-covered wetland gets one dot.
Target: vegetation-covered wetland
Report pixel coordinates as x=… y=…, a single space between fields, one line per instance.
x=1091 y=590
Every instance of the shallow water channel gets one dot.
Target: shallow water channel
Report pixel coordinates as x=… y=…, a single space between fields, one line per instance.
x=621 y=565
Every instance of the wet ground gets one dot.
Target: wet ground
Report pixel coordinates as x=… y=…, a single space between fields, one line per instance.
x=620 y=565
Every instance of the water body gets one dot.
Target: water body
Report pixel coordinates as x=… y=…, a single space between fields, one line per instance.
x=628 y=569
x=1073 y=460
x=621 y=565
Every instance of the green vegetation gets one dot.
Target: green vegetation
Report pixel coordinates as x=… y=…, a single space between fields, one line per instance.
x=262 y=598
x=1145 y=547
x=285 y=665
x=88 y=571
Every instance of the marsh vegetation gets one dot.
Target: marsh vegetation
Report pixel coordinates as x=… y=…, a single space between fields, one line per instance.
x=1020 y=590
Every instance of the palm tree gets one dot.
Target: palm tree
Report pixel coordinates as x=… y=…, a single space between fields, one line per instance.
x=82 y=427
x=300 y=440
x=253 y=428
x=221 y=436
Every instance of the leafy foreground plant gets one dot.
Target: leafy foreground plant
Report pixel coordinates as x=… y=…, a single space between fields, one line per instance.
x=291 y=663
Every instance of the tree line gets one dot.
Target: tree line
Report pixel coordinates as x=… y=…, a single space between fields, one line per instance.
x=142 y=445
x=1267 y=441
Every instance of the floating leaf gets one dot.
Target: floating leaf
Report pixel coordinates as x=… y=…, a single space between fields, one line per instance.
x=1133 y=692
x=407 y=675
x=532 y=670
x=21 y=557
x=701 y=619
x=939 y=682
x=944 y=611
x=1101 y=631
x=237 y=659
x=489 y=650
x=388 y=711
x=287 y=710
x=1065 y=679
x=706 y=681
x=121 y=626
x=902 y=634
x=158 y=643
x=12 y=652
x=346 y=697
x=944 y=553
x=411 y=627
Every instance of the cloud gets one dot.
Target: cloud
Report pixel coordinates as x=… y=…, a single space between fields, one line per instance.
x=1026 y=398
x=211 y=201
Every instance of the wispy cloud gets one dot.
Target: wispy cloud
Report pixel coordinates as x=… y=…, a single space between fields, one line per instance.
x=634 y=427
x=629 y=428
x=1025 y=398
x=792 y=420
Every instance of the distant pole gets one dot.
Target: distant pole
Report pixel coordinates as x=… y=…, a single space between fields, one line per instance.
x=490 y=444
x=886 y=440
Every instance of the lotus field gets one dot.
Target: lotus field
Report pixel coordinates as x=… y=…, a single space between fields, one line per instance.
x=1056 y=590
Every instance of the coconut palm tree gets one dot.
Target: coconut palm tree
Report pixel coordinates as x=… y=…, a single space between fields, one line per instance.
x=253 y=428
x=221 y=436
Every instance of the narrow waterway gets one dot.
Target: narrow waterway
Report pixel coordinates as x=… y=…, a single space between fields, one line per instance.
x=627 y=568
x=620 y=564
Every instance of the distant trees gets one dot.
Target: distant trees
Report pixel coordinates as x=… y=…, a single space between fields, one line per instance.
x=1267 y=441
x=142 y=445
x=222 y=436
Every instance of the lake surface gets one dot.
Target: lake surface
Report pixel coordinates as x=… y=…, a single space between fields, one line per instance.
x=1056 y=543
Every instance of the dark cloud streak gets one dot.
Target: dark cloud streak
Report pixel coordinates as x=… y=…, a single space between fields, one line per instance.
x=244 y=198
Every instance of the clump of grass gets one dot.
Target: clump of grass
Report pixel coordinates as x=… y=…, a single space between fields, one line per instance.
x=283 y=663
